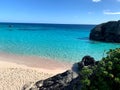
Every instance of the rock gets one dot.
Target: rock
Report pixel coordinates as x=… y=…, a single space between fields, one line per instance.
x=86 y=61
x=106 y=32
x=63 y=81
x=69 y=80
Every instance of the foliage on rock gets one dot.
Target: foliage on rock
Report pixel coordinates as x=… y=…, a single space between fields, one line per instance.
x=103 y=76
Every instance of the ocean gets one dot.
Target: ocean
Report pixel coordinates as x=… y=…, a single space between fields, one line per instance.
x=61 y=42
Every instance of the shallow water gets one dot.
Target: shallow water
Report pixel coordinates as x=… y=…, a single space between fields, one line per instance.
x=59 y=42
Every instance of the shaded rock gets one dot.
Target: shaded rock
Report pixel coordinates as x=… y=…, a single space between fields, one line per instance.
x=63 y=81
x=86 y=61
x=106 y=32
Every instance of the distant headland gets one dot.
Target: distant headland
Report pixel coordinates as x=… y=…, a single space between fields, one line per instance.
x=106 y=32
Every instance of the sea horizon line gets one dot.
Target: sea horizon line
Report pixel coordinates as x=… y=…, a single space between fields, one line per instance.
x=43 y=23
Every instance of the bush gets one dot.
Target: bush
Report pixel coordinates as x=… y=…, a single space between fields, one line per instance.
x=103 y=76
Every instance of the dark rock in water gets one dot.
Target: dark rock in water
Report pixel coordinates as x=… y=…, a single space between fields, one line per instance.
x=86 y=61
x=106 y=32
x=63 y=81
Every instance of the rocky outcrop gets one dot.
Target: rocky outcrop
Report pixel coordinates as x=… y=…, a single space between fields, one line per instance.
x=106 y=32
x=63 y=81
x=69 y=80
x=86 y=61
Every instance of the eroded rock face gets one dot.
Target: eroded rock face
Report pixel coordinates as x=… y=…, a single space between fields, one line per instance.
x=106 y=32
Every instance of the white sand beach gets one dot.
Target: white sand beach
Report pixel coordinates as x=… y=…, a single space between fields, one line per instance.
x=13 y=75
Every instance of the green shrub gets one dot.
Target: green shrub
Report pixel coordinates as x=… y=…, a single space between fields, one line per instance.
x=103 y=76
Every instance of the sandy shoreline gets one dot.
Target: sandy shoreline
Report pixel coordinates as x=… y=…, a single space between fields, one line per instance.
x=16 y=71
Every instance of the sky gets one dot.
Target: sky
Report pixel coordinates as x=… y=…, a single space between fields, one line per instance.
x=59 y=11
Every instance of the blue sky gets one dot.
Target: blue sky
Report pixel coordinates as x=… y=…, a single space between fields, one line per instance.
x=59 y=11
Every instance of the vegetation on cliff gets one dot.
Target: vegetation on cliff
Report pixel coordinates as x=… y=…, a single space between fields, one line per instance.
x=105 y=75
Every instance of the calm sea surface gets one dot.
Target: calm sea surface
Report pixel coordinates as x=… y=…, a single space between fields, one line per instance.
x=59 y=42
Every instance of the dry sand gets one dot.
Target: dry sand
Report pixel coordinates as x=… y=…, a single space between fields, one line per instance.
x=16 y=72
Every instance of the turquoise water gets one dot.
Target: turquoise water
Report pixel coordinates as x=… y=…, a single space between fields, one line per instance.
x=60 y=42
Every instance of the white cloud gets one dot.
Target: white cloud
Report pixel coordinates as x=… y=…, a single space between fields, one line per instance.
x=96 y=0
x=111 y=13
